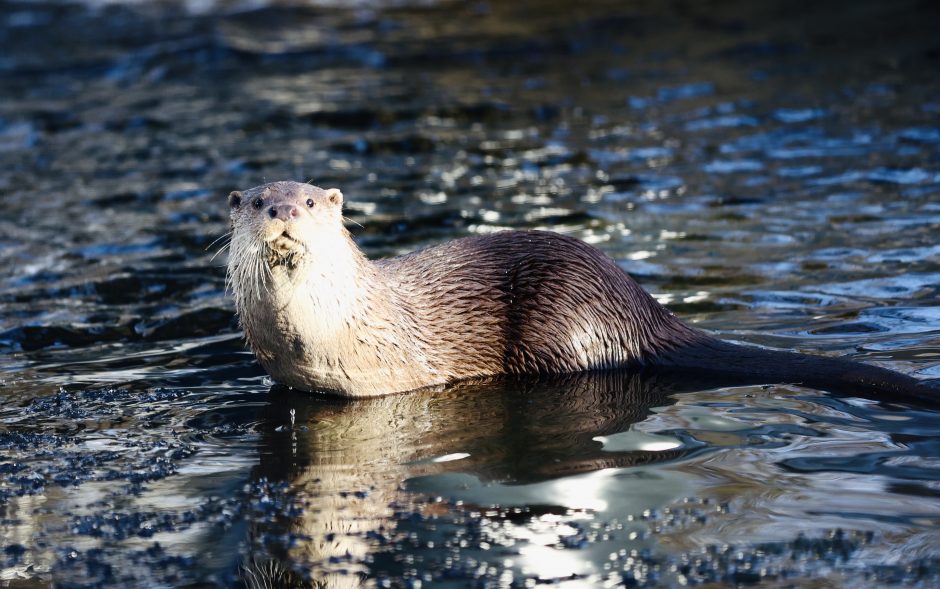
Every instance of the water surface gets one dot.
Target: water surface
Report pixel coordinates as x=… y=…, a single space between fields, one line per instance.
x=770 y=171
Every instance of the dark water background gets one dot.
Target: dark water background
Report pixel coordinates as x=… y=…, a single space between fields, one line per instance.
x=770 y=170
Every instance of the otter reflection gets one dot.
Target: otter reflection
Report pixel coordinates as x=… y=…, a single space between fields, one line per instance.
x=346 y=462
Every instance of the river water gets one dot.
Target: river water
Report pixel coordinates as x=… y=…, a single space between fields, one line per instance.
x=771 y=171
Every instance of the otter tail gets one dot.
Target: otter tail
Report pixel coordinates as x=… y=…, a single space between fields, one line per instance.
x=750 y=365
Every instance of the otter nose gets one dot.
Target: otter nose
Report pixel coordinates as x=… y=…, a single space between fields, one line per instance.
x=284 y=212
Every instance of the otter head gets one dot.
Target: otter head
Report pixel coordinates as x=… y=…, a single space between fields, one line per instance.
x=285 y=221
x=295 y=275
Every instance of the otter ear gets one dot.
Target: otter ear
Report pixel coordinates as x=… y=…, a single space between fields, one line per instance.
x=234 y=199
x=334 y=196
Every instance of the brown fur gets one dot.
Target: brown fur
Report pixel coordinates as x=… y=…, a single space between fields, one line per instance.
x=320 y=316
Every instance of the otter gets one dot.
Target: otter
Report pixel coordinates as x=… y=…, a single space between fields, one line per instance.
x=320 y=316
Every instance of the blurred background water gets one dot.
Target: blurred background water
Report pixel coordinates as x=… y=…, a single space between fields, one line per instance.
x=771 y=171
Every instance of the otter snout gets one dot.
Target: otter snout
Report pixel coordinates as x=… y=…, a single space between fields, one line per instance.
x=281 y=221
x=281 y=229
x=283 y=211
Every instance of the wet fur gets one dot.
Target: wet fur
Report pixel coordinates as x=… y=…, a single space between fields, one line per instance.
x=320 y=316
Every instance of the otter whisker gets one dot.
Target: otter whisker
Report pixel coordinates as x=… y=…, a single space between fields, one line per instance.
x=261 y=272
x=264 y=272
x=218 y=239
x=348 y=220
x=219 y=251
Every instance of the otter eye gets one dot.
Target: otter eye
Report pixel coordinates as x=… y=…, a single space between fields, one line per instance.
x=310 y=202
x=257 y=203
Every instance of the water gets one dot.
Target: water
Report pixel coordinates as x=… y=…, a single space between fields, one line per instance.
x=770 y=171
